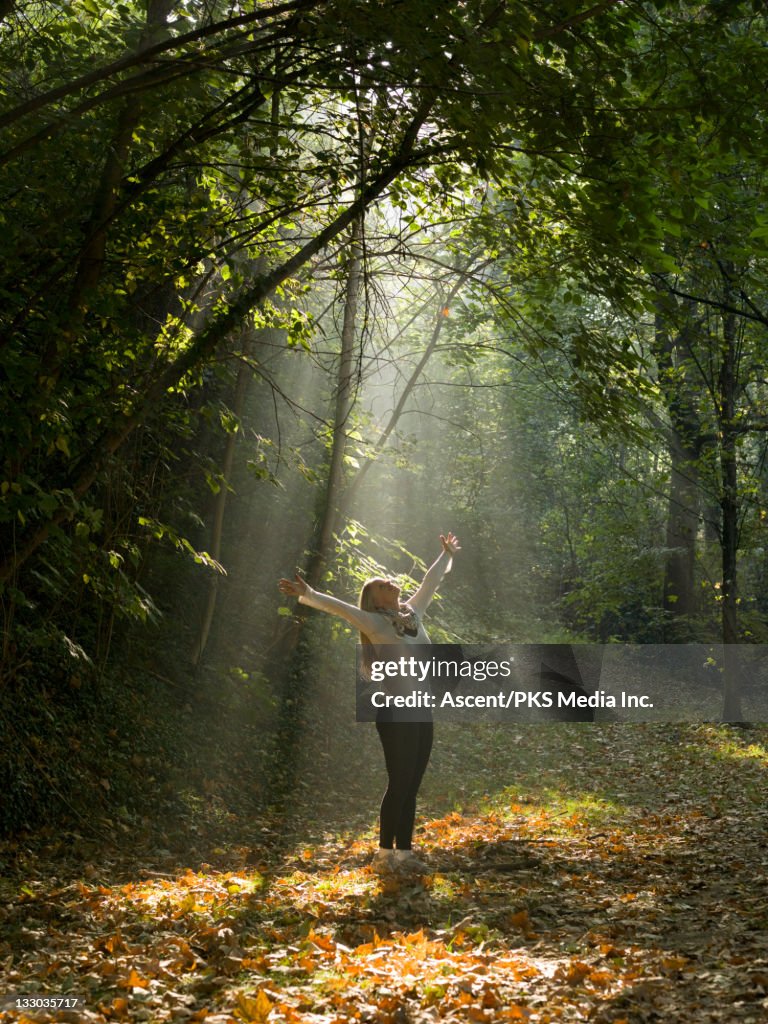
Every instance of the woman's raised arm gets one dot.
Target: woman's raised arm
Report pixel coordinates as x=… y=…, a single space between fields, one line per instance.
x=294 y=588
x=298 y=587
x=434 y=575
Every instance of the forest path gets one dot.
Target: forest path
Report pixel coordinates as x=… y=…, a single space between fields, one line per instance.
x=622 y=877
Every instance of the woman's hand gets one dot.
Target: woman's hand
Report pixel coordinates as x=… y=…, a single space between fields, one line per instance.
x=450 y=543
x=296 y=587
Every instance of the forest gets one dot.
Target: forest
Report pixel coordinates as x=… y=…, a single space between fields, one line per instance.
x=299 y=287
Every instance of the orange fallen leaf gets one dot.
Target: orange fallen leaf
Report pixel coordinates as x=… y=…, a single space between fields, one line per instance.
x=322 y=941
x=514 y=1013
x=134 y=980
x=114 y=943
x=256 y=1009
x=601 y=979
x=106 y=968
x=522 y=921
x=674 y=963
x=608 y=949
x=117 y=1008
x=575 y=973
x=251 y=963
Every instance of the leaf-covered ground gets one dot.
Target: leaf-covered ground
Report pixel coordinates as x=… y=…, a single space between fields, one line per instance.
x=603 y=873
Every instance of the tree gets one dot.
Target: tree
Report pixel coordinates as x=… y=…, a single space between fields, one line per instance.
x=491 y=82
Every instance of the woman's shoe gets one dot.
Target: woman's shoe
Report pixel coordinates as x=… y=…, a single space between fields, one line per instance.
x=383 y=862
x=407 y=863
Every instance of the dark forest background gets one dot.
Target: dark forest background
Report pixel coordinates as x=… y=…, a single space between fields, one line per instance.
x=304 y=284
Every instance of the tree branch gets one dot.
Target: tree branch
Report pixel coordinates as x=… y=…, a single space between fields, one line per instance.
x=577 y=19
x=724 y=307
x=135 y=59
x=411 y=383
x=211 y=336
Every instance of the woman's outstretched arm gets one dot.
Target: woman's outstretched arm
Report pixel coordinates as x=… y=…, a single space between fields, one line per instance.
x=434 y=575
x=298 y=587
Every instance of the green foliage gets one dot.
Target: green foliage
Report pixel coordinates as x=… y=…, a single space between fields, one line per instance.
x=170 y=194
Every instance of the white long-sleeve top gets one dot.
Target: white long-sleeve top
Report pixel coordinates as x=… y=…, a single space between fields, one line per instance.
x=377 y=626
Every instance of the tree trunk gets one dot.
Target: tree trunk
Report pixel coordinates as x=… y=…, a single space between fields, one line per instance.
x=217 y=528
x=238 y=403
x=330 y=507
x=92 y=256
x=293 y=653
x=729 y=505
x=684 y=498
x=682 y=528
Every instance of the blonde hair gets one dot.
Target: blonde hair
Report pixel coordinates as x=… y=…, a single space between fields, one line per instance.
x=366 y=604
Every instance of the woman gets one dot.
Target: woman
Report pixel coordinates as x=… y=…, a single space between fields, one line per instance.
x=383 y=619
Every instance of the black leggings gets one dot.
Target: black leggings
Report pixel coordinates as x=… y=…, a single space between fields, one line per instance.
x=407 y=746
